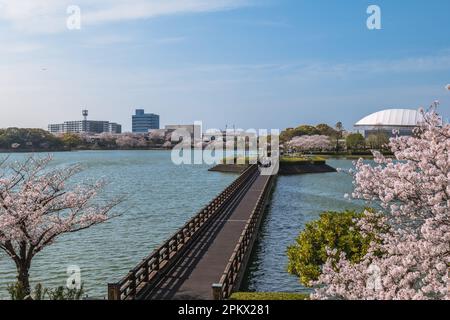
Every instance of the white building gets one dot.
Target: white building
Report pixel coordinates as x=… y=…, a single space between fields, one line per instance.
x=401 y=120
x=85 y=125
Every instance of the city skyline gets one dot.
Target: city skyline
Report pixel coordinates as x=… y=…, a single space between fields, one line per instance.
x=252 y=64
x=85 y=126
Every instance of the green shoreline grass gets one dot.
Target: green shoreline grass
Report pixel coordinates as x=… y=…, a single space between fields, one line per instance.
x=268 y=296
x=301 y=160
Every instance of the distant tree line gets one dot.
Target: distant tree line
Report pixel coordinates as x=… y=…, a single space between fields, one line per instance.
x=22 y=139
x=303 y=137
x=313 y=138
x=377 y=141
x=308 y=130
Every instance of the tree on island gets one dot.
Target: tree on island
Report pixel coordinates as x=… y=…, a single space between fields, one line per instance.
x=310 y=143
x=326 y=130
x=36 y=207
x=412 y=192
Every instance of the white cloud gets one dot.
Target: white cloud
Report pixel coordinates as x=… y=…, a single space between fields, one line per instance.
x=34 y=16
x=414 y=64
x=107 y=40
x=49 y=16
x=431 y=63
x=57 y=93
x=20 y=47
x=140 y=9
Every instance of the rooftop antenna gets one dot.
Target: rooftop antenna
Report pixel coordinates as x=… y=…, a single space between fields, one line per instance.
x=85 y=114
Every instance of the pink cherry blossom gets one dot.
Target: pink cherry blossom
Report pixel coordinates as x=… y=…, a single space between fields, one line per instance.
x=412 y=193
x=36 y=207
x=310 y=143
x=129 y=140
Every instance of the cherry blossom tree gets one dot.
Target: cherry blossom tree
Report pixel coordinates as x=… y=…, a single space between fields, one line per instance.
x=125 y=141
x=310 y=143
x=36 y=207
x=412 y=192
x=167 y=144
x=129 y=140
x=157 y=136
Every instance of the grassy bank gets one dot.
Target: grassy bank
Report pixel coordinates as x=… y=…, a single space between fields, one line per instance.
x=268 y=296
x=299 y=160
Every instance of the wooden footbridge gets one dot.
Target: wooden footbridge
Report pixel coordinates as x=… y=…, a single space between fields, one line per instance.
x=207 y=258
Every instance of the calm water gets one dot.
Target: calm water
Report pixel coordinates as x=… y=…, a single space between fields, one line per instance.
x=161 y=197
x=296 y=201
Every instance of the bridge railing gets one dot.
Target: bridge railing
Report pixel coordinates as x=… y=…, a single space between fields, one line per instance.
x=224 y=288
x=153 y=266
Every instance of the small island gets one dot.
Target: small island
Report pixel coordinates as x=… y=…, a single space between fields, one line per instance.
x=289 y=165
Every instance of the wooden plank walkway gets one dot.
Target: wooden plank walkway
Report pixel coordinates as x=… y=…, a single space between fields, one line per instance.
x=192 y=276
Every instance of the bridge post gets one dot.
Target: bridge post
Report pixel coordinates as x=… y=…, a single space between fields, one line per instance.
x=145 y=273
x=157 y=262
x=132 y=278
x=217 y=291
x=113 y=291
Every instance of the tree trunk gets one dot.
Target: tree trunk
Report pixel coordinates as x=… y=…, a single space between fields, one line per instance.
x=23 y=279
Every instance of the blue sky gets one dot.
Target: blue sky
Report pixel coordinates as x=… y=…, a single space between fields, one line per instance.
x=249 y=63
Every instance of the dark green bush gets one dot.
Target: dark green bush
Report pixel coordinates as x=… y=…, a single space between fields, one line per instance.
x=16 y=292
x=333 y=230
x=64 y=293
x=355 y=141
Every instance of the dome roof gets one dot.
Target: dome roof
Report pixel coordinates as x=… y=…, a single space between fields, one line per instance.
x=392 y=117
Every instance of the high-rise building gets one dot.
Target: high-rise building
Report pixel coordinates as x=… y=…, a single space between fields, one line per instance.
x=85 y=126
x=143 y=122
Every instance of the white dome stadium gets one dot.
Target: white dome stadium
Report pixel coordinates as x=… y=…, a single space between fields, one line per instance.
x=392 y=118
